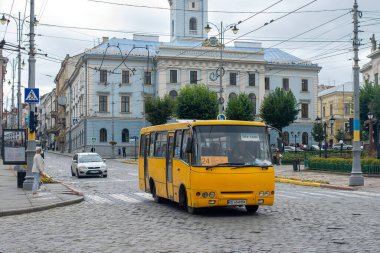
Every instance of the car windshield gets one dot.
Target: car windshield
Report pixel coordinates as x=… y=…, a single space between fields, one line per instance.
x=90 y=158
x=225 y=145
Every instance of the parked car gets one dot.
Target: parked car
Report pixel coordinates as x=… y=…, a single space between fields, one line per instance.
x=88 y=164
x=338 y=146
x=292 y=149
x=315 y=147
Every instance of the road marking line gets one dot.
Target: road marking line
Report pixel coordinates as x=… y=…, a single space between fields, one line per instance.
x=350 y=195
x=124 y=198
x=144 y=195
x=133 y=174
x=98 y=199
x=321 y=194
x=368 y=194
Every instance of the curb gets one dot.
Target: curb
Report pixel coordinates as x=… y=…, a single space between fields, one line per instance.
x=72 y=189
x=336 y=187
x=41 y=208
x=130 y=162
x=289 y=181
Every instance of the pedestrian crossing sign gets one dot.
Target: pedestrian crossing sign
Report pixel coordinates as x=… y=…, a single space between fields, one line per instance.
x=32 y=95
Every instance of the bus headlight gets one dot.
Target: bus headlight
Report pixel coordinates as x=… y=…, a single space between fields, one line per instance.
x=267 y=194
x=261 y=194
x=212 y=194
x=205 y=194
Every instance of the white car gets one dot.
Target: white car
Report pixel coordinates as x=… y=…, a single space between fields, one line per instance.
x=292 y=149
x=339 y=146
x=88 y=164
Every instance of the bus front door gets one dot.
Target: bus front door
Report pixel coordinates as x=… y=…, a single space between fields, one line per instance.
x=146 y=176
x=169 y=166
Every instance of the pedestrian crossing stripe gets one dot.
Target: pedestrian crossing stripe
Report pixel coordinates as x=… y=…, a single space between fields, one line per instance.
x=32 y=96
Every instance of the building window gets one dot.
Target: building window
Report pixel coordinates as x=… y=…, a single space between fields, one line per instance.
x=285 y=138
x=305 y=85
x=193 y=5
x=305 y=111
x=324 y=112
x=173 y=76
x=103 y=135
x=233 y=78
x=331 y=109
x=173 y=95
x=172 y=27
x=193 y=26
x=377 y=78
x=347 y=108
x=305 y=138
x=267 y=83
x=285 y=83
x=125 y=76
x=125 y=135
x=125 y=106
x=147 y=77
x=251 y=79
x=252 y=98
x=103 y=76
x=232 y=95
x=193 y=76
x=102 y=103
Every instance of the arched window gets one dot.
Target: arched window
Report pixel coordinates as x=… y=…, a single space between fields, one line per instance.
x=173 y=94
x=103 y=135
x=232 y=95
x=252 y=98
x=172 y=27
x=125 y=135
x=285 y=138
x=193 y=25
x=305 y=138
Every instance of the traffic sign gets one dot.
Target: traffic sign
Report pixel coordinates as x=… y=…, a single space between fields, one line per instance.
x=32 y=95
x=221 y=117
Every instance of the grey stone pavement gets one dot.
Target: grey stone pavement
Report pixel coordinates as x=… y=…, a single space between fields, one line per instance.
x=15 y=200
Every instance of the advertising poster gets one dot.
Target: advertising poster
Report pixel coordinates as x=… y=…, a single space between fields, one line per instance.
x=14 y=146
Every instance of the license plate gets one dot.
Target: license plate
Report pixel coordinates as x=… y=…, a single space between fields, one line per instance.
x=236 y=202
x=93 y=171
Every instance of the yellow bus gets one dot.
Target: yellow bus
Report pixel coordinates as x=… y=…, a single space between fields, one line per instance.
x=207 y=163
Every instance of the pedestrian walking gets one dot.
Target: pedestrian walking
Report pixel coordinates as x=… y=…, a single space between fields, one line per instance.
x=124 y=153
x=38 y=169
x=119 y=151
x=279 y=158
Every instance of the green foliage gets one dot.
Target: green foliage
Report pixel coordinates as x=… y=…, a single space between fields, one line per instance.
x=158 y=110
x=240 y=108
x=197 y=102
x=339 y=135
x=279 y=108
x=318 y=132
x=369 y=100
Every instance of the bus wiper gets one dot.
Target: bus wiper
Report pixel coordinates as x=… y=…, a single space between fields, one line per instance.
x=224 y=165
x=263 y=166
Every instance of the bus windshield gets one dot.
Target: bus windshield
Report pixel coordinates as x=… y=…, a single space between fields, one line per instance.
x=231 y=145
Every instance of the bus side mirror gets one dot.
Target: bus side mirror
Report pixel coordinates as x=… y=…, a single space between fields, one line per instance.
x=189 y=145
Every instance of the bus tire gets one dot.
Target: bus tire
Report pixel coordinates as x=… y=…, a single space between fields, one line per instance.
x=252 y=209
x=184 y=203
x=156 y=198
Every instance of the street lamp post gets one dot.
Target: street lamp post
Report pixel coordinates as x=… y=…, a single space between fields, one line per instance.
x=219 y=72
x=20 y=25
x=295 y=139
x=370 y=117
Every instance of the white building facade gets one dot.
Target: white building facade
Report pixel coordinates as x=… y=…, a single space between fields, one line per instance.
x=104 y=92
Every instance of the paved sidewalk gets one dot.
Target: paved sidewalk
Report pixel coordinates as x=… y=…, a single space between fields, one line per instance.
x=325 y=179
x=15 y=200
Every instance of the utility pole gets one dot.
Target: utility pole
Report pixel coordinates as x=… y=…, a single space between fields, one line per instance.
x=13 y=94
x=19 y=106
x=356 y=178
x=28 y=183
x=113 y=122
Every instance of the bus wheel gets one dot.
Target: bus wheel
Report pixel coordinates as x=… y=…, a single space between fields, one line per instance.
x=156 y=198
x=184 y=203
x=252 y=209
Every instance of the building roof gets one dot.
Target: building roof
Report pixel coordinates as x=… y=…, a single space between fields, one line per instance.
x=138 y=44
x=345 y=87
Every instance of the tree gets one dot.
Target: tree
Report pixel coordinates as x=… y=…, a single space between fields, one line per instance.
x=339 y=135
x=197 y=102
x=240 y=108
x=318 y=134
x=158 y=110
x=279 y=108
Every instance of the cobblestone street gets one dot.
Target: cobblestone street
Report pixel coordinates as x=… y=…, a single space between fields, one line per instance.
x=117 y=217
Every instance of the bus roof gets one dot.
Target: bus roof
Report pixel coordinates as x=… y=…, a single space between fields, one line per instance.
x=191 y=123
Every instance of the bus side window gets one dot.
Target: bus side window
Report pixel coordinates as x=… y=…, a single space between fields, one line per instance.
x=184 y=155
x=151 y=146
x=142 y=145
x=177 y=147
